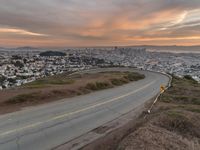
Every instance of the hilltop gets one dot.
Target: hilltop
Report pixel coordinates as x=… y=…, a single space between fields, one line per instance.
x=52 y=53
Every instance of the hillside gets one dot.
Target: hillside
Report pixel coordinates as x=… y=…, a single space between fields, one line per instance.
x=52 y=53
x=174 y=122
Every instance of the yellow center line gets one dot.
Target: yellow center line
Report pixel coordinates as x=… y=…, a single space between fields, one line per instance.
x=74 y=112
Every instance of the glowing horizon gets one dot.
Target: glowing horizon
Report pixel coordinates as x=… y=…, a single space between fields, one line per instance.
x=65 y=23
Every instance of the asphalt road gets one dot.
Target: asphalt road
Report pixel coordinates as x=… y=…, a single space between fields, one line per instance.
x=44 y=127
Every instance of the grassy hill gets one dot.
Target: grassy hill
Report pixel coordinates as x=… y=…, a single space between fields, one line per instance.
x=174 y=122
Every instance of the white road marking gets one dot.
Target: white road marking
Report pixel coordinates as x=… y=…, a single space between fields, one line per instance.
x=74 y=112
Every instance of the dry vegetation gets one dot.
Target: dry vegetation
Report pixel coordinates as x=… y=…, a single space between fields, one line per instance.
x=62 y=86
x=174 y=123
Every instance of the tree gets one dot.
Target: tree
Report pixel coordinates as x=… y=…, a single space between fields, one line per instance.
x=2 y=79
x=19 y=64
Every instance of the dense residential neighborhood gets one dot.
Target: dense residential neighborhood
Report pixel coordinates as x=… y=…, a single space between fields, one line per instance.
x=23 y=65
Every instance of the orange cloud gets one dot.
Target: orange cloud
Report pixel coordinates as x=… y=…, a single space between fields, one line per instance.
x=164 y=38
x=104 y=22
x=163 y=17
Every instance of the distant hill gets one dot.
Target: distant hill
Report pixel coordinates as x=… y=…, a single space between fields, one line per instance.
x=52 y=53
x=26 y=47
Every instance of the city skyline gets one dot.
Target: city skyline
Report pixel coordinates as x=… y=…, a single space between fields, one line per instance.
x=65 y=23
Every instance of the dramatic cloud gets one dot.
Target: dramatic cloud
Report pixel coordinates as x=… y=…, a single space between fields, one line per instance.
x=99 y=22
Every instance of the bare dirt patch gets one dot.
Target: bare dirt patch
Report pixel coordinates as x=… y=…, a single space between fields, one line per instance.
x=151 y=137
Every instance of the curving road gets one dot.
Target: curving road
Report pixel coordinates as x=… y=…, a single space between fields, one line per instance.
x=44 y=127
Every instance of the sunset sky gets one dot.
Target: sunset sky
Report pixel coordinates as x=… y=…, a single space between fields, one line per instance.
x=65 y=23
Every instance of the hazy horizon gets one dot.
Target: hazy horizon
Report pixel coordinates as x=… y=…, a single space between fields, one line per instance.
x=106 y=46
x=93 y=23
x=150 y=48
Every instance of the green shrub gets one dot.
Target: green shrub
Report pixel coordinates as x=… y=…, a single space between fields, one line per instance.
x=196 y=110
x=24 y=98
x=134 y=76
x=116 y=82
x=188 y=77
x=102 y=85
x=46 y=82
x=196 y=101
x=91 y=86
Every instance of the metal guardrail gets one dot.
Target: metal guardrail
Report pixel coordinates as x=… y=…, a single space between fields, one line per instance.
x=160 y=93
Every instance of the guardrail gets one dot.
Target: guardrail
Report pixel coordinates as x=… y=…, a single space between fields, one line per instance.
x=160 y=93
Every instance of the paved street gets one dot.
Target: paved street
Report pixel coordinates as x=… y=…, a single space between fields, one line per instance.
x=46 y=126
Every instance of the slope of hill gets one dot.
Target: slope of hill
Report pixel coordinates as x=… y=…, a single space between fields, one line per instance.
x=174 y=122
